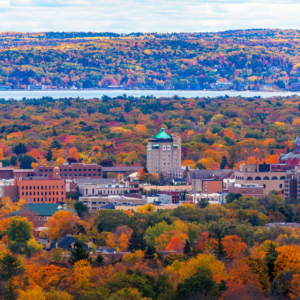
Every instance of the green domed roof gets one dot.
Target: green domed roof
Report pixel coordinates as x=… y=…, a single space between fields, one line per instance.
x=162 y=134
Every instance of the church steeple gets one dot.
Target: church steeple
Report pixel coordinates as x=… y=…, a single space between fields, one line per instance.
x=296 y=145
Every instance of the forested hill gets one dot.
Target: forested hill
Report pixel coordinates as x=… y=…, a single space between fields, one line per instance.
x=249 y=59
x=243 y=130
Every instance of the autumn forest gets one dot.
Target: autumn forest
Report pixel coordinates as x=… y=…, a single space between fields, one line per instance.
x=249 y=59
x=191 y=251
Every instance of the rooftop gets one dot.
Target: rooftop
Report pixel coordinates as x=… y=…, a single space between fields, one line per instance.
x=44 y=209
x=121 y=168
x=66 y=243
x=163 y=134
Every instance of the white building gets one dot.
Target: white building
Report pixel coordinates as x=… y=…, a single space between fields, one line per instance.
x=214 y=198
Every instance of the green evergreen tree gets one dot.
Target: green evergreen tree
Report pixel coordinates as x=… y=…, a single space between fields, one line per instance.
x=81 y=209
x=203 y=203
x=10 y=266
x=254 y=220
x=275 y=290
x=26 y=161
x=137 y=241
x=49 y=155
x=150 y=252
x=199 y=286
x=54 y=133
x=187 y=247
x=9 y=291
x=55 y=145
x=224 y=162
x=270 y=259
x=99 y=261
x=200 y=166
x=79 y=253
x=219 y=251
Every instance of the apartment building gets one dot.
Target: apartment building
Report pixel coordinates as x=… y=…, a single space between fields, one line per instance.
x=163 y=153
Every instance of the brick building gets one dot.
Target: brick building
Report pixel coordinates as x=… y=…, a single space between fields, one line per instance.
x=292 y=158
x=6 y=173
x=39 y=189
x=209 y=174
x=74 y=170
x=252 y=190
x=23 y=173
x=175 y=195
x=207 y=186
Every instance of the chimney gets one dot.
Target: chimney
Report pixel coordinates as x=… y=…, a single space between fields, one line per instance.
x=90 y=243
x=48 y=244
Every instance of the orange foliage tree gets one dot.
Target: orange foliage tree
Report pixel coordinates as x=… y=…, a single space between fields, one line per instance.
x=233 y=246
x=175 y=245
x=61 y=224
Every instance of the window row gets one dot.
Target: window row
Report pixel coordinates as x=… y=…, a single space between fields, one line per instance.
x=71 y=170
x=42 y=193
x=40 y=187
x=44 y=199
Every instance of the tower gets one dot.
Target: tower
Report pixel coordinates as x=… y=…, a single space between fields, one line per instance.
x=56 y=173
x=163 y=153
x=296 y=145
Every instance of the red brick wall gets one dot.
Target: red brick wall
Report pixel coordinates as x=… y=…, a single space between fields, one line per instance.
x=42 y=190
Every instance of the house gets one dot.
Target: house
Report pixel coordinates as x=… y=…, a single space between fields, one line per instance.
x=41 y=212
x=67 y=243
x=209 y=174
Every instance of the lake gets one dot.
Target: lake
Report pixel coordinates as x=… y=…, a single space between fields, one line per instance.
x=88 y=94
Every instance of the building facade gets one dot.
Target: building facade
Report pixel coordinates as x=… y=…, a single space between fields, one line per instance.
x=252 y=190
x=261 y=175
x=207 y=186
x=42 y=190
x=209 y=174
x=292 y=158
x=163 y=153
x=71 y=171
x=214 y=198
x=96 y=203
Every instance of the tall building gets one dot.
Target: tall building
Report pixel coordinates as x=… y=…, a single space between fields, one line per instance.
x=163 y=153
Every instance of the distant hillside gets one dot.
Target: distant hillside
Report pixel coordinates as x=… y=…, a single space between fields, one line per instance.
x=247 y=59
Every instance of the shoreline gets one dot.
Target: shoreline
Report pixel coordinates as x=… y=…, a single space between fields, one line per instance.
x=139 y=90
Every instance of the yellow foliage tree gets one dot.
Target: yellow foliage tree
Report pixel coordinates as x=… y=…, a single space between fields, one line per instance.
x=209 y=153
x=36 y=293
x=140 y=128
x=288 y=258
x=208 y=163
x=179 y=271
x=147 y=208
